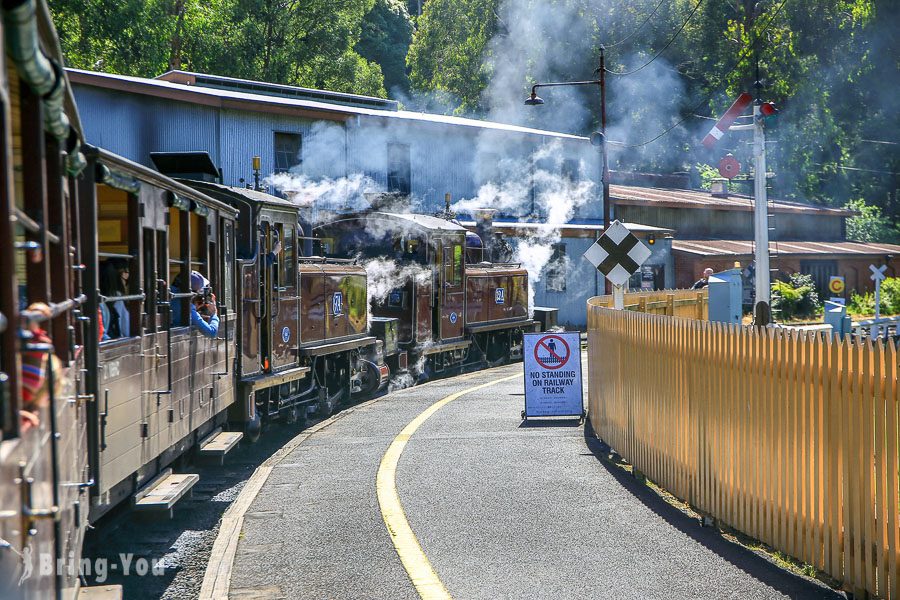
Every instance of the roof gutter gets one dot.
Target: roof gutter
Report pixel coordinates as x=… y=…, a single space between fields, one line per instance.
x=43 y=75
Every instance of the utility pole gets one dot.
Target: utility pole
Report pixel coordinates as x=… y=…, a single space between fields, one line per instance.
x=760 y=199
x=607 y=208
x=760 y=210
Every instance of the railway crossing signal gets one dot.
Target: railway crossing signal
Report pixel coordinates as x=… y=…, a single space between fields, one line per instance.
x=618 y=254
x=877 y=276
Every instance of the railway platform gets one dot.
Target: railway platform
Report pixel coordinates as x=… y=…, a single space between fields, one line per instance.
x=441 y=491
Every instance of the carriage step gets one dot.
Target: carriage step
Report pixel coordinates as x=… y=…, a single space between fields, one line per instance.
x=216 y=445
x=100 y=592
x=161 y=494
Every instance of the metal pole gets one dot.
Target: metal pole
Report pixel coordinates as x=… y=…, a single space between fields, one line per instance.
x=876 y=330
x=618 y=297
x=760 y=210
x=607 y=208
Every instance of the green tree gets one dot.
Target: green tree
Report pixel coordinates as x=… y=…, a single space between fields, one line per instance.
x=386 y=36
x=300 y=42
x=870 y=225
x=448 y=49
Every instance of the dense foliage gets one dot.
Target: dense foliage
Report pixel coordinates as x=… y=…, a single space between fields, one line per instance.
x=796 y=298
x=302 y=42
x=864 y=304
x=831 y=66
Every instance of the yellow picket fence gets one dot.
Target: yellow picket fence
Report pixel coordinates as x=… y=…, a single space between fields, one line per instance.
x=789 y=437
x=693 y=304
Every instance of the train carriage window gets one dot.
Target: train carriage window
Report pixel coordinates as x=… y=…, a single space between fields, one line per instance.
x=453 y=264
x=199 y=244
x=179 y=264
x=150 y=280
x=290 y=258
x=118 y=248
x=447 y=263
x=227 y=292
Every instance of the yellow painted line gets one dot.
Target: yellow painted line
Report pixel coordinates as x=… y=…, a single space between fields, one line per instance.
x=417 y=565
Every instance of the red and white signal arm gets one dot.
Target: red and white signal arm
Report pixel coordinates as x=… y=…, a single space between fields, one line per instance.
x=730 y=116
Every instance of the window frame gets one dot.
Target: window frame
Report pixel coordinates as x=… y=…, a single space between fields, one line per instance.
x=279 y=152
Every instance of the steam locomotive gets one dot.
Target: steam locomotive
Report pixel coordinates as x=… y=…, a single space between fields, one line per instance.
x=103 y=381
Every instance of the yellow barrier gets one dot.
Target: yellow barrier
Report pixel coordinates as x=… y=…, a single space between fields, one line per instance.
x=787 y=436
x=693 y=304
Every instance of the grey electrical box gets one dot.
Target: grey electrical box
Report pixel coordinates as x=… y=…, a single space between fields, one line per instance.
x=836 y=316
x=725 y=296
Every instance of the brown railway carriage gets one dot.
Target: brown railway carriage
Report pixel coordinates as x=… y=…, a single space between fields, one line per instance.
x=304 y=333
x=160 y=386
x=44 y=471
x=450 y=313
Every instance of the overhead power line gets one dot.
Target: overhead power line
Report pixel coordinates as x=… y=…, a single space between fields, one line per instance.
x=638 y=28
x=736 y=64
x=664 y=48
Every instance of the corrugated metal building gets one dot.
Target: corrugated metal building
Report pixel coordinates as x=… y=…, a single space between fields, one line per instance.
x=717 y=232
x=323 y=134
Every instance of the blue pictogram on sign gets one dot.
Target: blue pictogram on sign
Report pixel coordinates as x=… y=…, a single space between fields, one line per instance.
x=337 y=304
x=500 y=296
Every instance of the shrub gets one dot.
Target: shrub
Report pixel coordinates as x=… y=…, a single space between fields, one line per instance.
x=796 y=298
x=890 y=295
x=864 y=304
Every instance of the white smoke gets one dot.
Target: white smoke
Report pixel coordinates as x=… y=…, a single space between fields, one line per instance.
x=385 y=274
x=324 y=193
x=555 y=197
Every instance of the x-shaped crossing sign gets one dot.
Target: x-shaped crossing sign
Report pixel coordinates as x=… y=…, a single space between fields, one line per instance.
x=618 y=254
x=877 y=272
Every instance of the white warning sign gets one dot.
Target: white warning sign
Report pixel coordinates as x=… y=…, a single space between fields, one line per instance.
x=553 y=385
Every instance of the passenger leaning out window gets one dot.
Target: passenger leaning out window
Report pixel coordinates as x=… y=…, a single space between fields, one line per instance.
x=204 y=314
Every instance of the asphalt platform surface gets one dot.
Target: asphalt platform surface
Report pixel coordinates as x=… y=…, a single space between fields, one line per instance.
x=501 y=508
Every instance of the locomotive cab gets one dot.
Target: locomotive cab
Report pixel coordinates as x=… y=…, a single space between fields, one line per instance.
x=416 y=266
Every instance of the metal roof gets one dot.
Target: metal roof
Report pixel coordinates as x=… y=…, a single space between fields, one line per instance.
x=745 y=248
x=567 y=229
x=673 y=198
x=227 y=98
x=239 y=191
x=423 y=221
x=276 y=89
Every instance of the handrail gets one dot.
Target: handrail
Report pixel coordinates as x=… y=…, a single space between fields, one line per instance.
x=166 y=305
x=56 y=309
x=20 y=217
x=325 y=259
x=115 y=255
x=130 y=298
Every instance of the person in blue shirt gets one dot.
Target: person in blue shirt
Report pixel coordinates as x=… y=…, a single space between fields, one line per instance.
x=204 y=315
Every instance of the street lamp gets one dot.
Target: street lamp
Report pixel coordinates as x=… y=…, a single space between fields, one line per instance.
x=535 y=100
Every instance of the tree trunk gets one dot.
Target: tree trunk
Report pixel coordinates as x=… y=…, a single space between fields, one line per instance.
x=175 y=44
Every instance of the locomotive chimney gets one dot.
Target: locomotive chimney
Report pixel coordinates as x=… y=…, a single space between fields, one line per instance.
x=484 y=227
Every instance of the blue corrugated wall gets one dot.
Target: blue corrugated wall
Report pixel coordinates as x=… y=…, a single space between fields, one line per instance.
x=442 y=159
